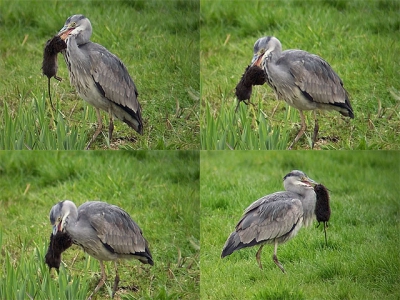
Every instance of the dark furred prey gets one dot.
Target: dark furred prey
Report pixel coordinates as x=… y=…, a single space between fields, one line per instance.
x=58 y=244
x=322 y=209
x=253 y=75
x=49 y=64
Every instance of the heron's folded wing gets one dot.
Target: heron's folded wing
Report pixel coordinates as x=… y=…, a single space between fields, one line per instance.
x=314 y=76
x=115 y=228
x=269 y=221
x=112 y=78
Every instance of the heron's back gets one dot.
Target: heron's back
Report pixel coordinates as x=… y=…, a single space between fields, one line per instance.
x=107 y=232
x=103 y=81
x=276 y=217
x=306 y=82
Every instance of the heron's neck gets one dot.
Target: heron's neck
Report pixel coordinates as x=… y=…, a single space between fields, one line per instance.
x=309 y=206
x=71 y=219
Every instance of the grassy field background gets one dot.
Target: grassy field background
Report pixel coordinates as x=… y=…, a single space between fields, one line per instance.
x=361 y=260
x=160 y=190
x=158 y=41
x=360 y=41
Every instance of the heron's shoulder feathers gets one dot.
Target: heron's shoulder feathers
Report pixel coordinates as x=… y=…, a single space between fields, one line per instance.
x=264 y=201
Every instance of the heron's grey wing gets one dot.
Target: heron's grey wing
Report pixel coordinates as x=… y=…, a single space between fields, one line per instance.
x=115 y=227
x=269 y=221
x=284 y=195
x=314 y=76
x=112 y=77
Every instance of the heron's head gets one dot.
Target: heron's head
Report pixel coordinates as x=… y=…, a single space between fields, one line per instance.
x=298 y=180
x=78 y=26
x=59 y=214
x=263 y=48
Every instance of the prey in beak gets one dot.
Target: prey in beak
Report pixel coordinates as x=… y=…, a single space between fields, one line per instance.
x=65 y=31
x=257 y=58
x=253 y=75
x=309 y=181
x=57 y=227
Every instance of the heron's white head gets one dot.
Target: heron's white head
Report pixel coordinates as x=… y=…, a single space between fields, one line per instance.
x=78 y=26
x=263 y=48
x=59 y=215
x=297 y=180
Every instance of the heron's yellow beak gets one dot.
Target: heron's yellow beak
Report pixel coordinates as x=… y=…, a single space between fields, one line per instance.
x=257 y=58
x=57 y=227
x=309 y=181
x=64 y=32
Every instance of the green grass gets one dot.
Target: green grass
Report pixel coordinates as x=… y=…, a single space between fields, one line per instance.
x=158 y=41
x=160 y=190
x=233 y=130
x=358 y=38
x=361 y=260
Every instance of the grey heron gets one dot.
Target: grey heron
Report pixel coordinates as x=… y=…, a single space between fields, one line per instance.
x=106 y=232
x=275 y=218
x=303 y=80
x=100 y=77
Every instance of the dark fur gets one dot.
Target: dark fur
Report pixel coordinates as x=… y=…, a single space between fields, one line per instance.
x=252 y=76
x=322 y=209
x=49 y=64
x=58 y=244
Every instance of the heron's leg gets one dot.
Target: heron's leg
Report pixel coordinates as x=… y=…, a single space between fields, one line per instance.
x=275 y=258
x=258 y=256
x=111 y=126
x=101 y=282
x=98 y=130
x=301 y=131
x=116 y=280
x=316 y=128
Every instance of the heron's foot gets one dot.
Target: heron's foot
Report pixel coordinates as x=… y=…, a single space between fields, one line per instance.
x=99 y=285
x=315 y=136
x=90 y=143
x=97 y=132
x=276 y=261
x=115 y=288
x=101 y=281
x=298 y=136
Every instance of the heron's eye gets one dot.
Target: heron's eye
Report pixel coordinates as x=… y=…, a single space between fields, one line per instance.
x=73 y=24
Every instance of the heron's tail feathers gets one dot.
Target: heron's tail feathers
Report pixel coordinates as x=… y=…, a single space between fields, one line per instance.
x=135 y=121
x=145 y=257
x=345 y=108
x=232 y=244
